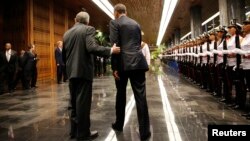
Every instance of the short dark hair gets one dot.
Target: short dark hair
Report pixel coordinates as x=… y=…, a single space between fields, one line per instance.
x=120 y=8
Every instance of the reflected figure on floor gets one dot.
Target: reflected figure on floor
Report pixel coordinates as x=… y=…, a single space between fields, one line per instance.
x=61 y=72
x=79 y=46
x=8 y=68
x=132 y=65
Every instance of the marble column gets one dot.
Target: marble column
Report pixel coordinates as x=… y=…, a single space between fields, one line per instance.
x=177 y=36
x=195 y=19
x=231 y=9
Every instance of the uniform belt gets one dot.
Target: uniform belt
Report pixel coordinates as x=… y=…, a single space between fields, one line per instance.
x=246 y=57
x=231 y=55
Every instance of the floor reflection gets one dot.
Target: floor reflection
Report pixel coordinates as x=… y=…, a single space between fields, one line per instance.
x=178 y=111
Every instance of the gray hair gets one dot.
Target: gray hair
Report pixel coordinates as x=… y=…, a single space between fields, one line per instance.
x=82 y=17
x=120 y=8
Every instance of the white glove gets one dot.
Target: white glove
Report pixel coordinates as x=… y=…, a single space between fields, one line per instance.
x=239 y=51
x=234 y=68
x=215 y=51
x=225 y=52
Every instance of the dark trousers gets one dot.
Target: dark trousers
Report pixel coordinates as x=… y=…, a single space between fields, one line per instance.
x=27 y=74
x=19 y=76
x=34 y=77
x=137 y=80
x=80 y=104
x=228 y=83
x=219 y=76
x=247 y=76
x=240 y=88
x=61 y=74
x=204 y=76
x=247 y=84
x=9 y=78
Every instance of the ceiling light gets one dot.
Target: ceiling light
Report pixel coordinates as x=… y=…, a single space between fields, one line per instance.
x=105 y=6
x=168 y=9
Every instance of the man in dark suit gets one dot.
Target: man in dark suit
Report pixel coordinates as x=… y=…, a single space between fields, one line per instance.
x=79 y=45
x=10 y=63
x=130 y=64
x=59 y=63
x=29 y=62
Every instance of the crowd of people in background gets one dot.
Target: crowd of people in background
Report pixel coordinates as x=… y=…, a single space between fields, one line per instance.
x=21 y=68
x=14 y=67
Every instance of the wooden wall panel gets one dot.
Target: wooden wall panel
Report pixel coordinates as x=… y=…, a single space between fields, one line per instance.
x=13 y=23
x=59 y=29
x=71 y=18
x=34 y=21
x=41 y=37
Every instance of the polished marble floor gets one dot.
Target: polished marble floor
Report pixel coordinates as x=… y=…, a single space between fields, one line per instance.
x=179 y=111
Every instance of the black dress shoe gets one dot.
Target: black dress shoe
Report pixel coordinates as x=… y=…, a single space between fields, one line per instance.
x=246 y=115
x=116 y=128
x=72 y=136
x=236 y=107
x=93 y=135
x=223 y=100
x=231 y=105
x=146 y=138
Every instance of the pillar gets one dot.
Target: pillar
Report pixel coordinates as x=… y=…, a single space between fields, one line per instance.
x=177 y=36
x=195 y=19
x=231 y=9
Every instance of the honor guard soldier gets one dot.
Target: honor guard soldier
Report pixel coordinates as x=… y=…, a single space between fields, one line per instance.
x=231 y=63
x=245 y=47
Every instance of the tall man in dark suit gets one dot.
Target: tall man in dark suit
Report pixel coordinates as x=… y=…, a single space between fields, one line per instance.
x=10 y=63
x=78 y=46
x=130 y=64
x=59 y=63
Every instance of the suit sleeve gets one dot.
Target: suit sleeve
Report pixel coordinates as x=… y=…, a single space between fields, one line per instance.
x=114 y=39
x=64 y=55
x=93 y=47
x=57 y=56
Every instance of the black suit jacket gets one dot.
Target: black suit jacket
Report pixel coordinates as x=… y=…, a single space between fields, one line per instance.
x=28 y=61
x=78 y=46
x=58 y=56
x=12 y=65
x=126 y=33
